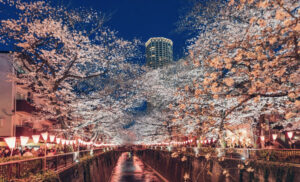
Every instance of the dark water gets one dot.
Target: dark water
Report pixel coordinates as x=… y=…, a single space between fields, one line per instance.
x=131 y=169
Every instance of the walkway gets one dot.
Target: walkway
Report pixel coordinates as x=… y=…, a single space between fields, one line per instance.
x=131 y=169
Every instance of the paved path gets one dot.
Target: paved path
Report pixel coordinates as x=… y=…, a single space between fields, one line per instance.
x=131 y=169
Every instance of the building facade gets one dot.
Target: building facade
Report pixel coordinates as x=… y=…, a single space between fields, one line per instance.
x=159 y=52
x=17 y=114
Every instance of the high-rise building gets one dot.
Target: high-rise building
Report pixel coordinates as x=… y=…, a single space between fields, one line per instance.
x=159 y=52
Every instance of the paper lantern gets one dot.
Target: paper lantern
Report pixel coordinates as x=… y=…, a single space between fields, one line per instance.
x=52 y=138
x=290 y=134
x=24 y=140
x=262 y=138
x=45 y=136
x=11 y=142
x=35 y=138
x=58 y=140
x=63 y=141
x=67 y=142
x=274 y=136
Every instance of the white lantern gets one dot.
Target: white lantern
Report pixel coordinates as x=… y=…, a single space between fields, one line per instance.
x=11 y=142
x=52 y=138
x=274 y=136
x=58 y=140
x=63 y=141
x=262 y=138
x=45 y=136
x=24 y=140
x=35 y=138
x=290 y=134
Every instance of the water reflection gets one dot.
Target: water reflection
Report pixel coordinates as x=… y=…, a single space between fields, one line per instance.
x=131 y=169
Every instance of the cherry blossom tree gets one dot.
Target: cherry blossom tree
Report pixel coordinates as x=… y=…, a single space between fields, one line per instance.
x=55 y=47
x=251 y=60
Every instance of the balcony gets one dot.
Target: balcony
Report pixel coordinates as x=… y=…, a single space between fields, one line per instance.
x=24 y=106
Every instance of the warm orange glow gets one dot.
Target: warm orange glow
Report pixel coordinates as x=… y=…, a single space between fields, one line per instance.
x=24 y=140
x=35 y=138
x=11 y=142
x=45 y=136
x=52 y=138
x=58 y=140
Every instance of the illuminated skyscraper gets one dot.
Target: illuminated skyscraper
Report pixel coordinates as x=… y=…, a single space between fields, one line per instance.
x=159 y=52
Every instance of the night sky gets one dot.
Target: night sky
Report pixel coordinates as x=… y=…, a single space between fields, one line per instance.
x=142 y=19
x=139 y=19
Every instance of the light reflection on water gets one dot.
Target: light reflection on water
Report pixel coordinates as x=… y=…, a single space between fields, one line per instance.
x=131 y=169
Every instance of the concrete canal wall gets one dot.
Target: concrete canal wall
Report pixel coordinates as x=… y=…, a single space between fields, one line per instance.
x=180 y=168
x=95 y=169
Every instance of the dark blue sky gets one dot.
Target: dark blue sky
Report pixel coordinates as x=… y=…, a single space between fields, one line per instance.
x=142 y=19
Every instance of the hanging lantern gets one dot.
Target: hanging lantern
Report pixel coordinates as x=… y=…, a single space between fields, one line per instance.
x=58 y=140
x=67 y=142
x=45 y=136
x=290 y=134
x=52 y=138
x=24 y=140
x=11 y=142
x=35 y=138
x=63 y=141
x=262 y=138
x=274 y=136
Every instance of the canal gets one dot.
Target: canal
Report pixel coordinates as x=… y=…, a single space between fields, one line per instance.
x=130 y=168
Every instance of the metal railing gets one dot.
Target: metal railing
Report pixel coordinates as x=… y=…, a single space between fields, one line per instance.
x=277 y=155
x=22 y=168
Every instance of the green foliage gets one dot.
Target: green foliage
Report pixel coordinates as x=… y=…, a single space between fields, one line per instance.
x=46 y=176
x=69 y=149
x=13 y=158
